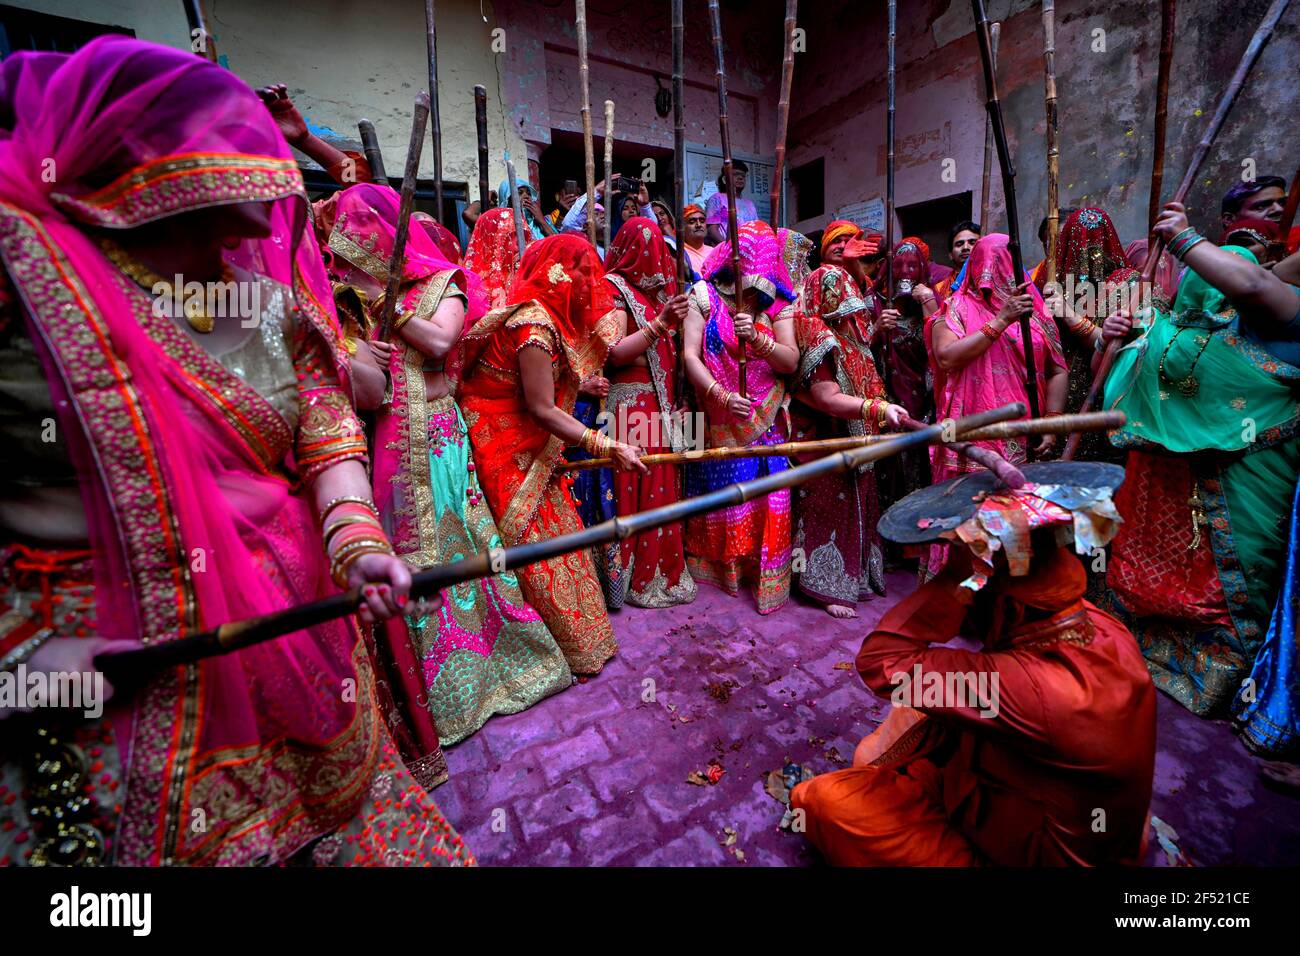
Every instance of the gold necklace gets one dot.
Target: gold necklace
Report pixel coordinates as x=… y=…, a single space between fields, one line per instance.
x=1188 y=385
x=139 y=273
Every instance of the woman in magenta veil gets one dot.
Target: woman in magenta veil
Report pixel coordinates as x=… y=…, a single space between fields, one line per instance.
x=209 y=467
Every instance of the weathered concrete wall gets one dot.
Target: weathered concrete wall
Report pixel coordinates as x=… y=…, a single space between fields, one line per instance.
x=1106 y=97
x=630 y=58
x=343 y=60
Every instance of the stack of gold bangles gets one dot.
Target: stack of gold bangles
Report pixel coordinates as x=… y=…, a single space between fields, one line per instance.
x=594 y=443
x=655 y=331
x=352 y=529
x=763 y=345
x=876 y=407
x=723 y=397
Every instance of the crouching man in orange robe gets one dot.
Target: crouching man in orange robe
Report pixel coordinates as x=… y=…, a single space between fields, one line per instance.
x=1038 y=749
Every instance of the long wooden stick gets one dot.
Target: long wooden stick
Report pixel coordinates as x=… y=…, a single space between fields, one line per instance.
x=733 y=230
x=374 y=156
x=589 y=153
x=994 y=107
x=480 y=122
x=609 y=168
x=198 y=20
x=995 y=31
x=1156 y=245
x=1053 y=133
x=141 y=662
x=679 y=147
x=783 y=113
x=435 y=124
x=1290 y=209
x=1054 y=425
x=679 y=180
x=516 y=207
x=890 y=76
x=397 y=262
x=1168 y=14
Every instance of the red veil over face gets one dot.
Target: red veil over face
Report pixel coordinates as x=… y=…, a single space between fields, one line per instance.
x=493 y=253
x=564 y=275
x=640 y=255
x=1088 y=248
x=171 y=466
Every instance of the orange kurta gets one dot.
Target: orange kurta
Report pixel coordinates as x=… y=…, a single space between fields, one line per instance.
x=1060 y=774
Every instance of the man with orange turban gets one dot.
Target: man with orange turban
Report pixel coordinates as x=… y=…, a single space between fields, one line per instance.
x=1038 y=749
x=695 y=235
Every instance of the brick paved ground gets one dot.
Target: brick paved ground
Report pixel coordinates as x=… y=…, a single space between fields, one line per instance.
x=597 y=775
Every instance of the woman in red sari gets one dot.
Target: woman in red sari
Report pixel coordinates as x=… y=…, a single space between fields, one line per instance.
x=523 y=366
x=204 y=452
x=641 y=271
x=904 y=363
x=840 y=394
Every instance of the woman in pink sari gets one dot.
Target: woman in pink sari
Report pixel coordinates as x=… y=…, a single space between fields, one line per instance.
x=749 y=544
x=978 y=356
x=199 y=445
x=485 y=650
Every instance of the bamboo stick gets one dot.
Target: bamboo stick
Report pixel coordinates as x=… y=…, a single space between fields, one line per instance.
x=994 y=107
x=517 y=208
x=679 y=149
x=589 y=154
x=435 y=117
x=1168 y=14
x=1289 y=210
x=374 y=156
x=733 y=230
x=397 y=262
x=480 y=122
x=995 y=31
x=1157 y=245
x=1052 y=425
x=124 y=667
x=783 y=113
x=1053 y=134
x=198 y=20
x=890 y=76
x=609 y=168
x=679 y=179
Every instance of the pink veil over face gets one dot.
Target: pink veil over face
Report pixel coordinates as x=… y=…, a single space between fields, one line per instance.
x=997 y=375
x=190 y=527
x=361 y=247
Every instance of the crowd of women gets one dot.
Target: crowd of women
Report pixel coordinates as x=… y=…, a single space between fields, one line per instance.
x=341 y=441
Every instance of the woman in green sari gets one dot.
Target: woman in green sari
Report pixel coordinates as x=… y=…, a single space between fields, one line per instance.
x=1213 y=456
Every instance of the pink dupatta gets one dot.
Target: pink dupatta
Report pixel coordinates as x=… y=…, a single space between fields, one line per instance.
x=765 y=276
x=998 y=375
x=186 y=472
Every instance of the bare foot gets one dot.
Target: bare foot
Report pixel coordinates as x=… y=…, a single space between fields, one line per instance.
x=842 y=611
x=1287 y=775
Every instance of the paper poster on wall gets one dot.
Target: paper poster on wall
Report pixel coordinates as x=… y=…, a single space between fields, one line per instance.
x=869 y=214
x=702 y=169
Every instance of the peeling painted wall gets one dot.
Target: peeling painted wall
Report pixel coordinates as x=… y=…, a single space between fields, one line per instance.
x=1105 y=99
x=630 y=59
x=343 y=60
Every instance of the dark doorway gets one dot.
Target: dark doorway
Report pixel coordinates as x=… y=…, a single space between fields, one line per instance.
x=931 y=220
x=564 y=159
x=29 y=30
